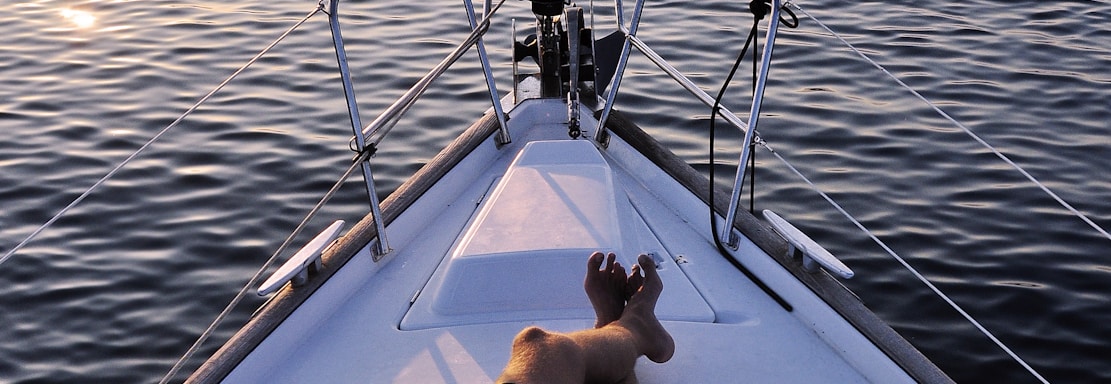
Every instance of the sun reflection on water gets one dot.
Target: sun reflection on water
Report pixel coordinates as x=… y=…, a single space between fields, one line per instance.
x=79 y=18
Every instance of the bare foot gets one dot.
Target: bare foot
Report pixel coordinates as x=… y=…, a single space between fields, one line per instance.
x=640 y=314
x=606 y=288
x=635 y=280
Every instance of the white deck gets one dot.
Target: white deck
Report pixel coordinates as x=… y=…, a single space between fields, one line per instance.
x=399 y=321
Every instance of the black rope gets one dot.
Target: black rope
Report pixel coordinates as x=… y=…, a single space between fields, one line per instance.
x=759 y=9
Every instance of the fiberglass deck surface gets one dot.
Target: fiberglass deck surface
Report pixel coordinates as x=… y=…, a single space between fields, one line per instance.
x=356 y=335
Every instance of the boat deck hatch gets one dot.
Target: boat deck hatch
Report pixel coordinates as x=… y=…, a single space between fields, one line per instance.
x=523 y=254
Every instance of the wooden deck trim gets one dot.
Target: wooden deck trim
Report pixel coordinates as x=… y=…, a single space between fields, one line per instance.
x=825 y=286
x=275 y=311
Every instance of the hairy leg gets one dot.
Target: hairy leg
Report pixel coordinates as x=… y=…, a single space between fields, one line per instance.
x=539 y=356
x=599 y=355
x=608 y=353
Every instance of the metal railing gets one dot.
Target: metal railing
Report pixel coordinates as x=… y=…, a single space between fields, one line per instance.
x=753 y=117
x=631 y=40
x=503 y=132
x=377 y=129
x=687 y=84
x=363 y=158
x=622 y=61
x=366 y=139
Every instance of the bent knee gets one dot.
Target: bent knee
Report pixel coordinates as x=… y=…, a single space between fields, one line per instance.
x=535 y=341
x=539 y=356
x=531 y=334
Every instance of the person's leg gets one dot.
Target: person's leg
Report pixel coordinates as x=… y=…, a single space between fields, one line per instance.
x=610 y=352
x=543 y=357
x=606 y=354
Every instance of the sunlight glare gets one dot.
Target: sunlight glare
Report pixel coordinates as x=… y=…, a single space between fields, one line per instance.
x=82 y=19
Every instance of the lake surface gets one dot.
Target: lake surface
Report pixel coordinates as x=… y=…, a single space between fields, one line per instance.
x=120 y=287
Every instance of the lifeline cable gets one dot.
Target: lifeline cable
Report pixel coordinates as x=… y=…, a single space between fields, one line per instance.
x=258 y=275
x=883 y=245
x=238 y=297
x=906 y=265
x=154 y=138
x=966 y=130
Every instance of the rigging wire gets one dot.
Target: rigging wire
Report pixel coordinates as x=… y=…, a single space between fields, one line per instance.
x=898 y=258
x=258 y=275
x=154 y=138
x=254 y=280
x=958 y=124
x=883 y=245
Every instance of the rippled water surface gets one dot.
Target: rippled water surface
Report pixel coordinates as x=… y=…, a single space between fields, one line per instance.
x=119 y=288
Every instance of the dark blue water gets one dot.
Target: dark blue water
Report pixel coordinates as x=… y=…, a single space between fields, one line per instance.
x=118 y=289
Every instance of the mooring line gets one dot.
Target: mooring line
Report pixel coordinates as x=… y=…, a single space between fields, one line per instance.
x=966 y=130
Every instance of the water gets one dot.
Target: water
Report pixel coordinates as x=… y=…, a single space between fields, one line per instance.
x=118 y=289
